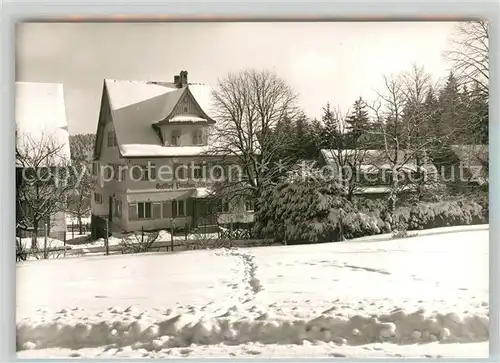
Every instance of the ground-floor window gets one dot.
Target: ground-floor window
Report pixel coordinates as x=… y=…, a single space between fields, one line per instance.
x=144 y=210
x=249 y=205
x=225 y=205
x=178 y=208
x=98 y=198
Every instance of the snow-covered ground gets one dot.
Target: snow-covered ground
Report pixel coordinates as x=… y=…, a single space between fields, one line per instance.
x=425 y=296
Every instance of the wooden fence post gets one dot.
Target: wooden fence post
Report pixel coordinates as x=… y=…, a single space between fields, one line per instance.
x=45 y=254
x=106 y=241
x=172 y=229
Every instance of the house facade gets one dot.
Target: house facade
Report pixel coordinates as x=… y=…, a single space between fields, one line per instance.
x=153 y=164
x=41 y=127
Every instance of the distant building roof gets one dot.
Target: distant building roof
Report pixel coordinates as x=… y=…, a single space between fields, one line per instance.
x=475 y=158
x=372 y=160
x=41 y=117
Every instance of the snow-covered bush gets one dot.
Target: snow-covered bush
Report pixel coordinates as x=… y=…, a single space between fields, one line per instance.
x=441 y=214
x=360 y=224
x=302 y=210
x=311 y=210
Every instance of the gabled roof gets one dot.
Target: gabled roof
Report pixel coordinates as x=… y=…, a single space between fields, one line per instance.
x=41 y=117
x=136 y=106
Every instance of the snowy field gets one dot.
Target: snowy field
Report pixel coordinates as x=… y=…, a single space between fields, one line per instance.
x=424 y=296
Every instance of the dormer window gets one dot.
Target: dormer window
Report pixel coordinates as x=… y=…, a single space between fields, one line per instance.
x=198 y=137
x=176 y=138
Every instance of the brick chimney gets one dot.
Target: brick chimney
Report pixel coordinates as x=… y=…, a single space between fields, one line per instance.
x=181 y=80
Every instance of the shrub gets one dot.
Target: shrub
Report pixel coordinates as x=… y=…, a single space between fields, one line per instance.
x=435 y=215
x=302 y=210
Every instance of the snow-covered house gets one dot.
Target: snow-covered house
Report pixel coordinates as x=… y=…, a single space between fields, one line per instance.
x=41 y=122
x=473 y=162
x=152 y=158
x=372 y=169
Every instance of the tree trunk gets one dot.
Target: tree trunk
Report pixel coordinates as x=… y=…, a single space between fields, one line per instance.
x=34 y=236
x=393 y=197
x=80 y=225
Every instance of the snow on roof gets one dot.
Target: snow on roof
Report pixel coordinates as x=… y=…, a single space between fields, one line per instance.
x=201 y=193
x=187 y=118
x=41 y=117
x=203 y=95
x=137 y=105
x=373 y=159
x=145 y=150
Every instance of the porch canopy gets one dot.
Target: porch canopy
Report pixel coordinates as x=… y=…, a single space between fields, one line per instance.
x=201 y=193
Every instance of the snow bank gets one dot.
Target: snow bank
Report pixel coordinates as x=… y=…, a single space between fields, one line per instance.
x=396 y=292
x=51 y=243
x=125 y=327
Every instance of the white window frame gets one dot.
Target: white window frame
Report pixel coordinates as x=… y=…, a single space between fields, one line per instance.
x=177 y=203
x=176 y=135
x=247 y=203
x=144 y=210
x=198 y=137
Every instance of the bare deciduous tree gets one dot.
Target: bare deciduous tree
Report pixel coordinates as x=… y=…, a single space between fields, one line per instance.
x=401 y=123
x=469 y=53
x=347 y=160
x=43 y=181
x=248 y=105
x=79 y=204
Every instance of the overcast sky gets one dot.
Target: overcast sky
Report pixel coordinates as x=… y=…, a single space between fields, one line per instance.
x=323 y=62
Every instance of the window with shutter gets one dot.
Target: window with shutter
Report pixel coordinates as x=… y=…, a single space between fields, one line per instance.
x=132 y=212
x=181 y=208
x=174 y=208
x=167 y=209
x=156 y=210
x=189 y=207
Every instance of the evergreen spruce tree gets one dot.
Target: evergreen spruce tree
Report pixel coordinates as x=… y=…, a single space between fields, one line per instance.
x=357 y=123
x=452 y=110
x=331 y=129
